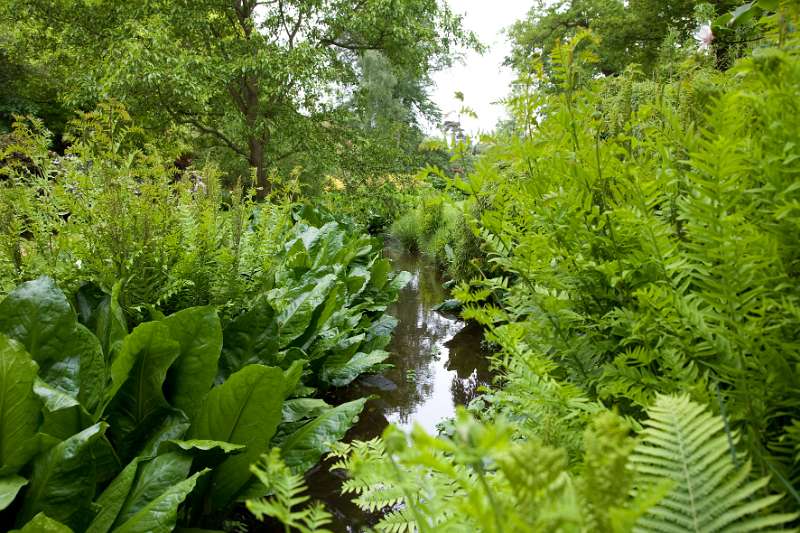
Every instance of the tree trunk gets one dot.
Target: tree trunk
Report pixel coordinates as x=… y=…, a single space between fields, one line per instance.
x=257 y=161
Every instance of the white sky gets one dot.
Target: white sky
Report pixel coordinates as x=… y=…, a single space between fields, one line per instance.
x=482 y=79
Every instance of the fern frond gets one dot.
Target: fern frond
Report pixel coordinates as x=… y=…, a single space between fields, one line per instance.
x=687 y=445
x=398 y=521
x=287 y=493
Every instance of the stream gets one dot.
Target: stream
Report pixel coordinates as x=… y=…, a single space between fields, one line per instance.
x=438 y=363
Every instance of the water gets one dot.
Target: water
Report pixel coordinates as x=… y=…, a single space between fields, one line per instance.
x=438 y=364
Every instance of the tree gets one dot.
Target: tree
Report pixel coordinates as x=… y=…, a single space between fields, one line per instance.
x=259 y=78
x=629 y=32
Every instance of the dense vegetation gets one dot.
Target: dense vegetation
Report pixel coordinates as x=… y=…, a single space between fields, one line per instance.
x=187 y=267
x=117 y=414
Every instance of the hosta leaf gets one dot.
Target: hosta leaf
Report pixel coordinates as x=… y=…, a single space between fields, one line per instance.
x=63 y=480
x=246 y=409
x=9 y=487
x=302 y=449
x=400 y=280
x=379 y=334
x=19 y=406
x=380 y=273
x=38 y=315
x=333 y=302
x=199 y=333
x=357 y=279
x=172 y=426
x=207 y=451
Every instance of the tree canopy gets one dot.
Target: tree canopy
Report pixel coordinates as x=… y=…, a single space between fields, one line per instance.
x=267 y=82
x=628 y=32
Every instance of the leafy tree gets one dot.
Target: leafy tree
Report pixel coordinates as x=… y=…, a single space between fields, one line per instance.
x=629 y=32
x=260 y=79
x=26 y=87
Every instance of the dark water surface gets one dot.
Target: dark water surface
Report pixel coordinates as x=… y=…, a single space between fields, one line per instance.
x=438 y=363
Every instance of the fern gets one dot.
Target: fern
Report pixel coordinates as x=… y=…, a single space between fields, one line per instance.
x=686 y=444
x=287 y=494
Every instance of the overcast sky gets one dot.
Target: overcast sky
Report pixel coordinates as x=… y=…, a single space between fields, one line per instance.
x=481 y=78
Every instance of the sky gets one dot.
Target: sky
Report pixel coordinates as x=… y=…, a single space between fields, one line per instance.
x=481 y=78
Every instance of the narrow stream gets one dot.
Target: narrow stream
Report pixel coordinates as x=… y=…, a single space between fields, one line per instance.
x=438 y=364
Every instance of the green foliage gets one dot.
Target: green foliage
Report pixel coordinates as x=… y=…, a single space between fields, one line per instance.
x=137 y=244
x=258 y=85
x=679 y=477
x=158 y=399
x=640 y=241
x=436 y=228
x=636 y=32
x=688 y=446
x=287 y=490
x=373 y=202
x=19 y=418
x=246 y=409
x=303 y=448
x=330 y=292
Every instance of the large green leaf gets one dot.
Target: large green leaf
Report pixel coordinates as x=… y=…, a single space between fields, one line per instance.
x=63 y=415
x=155 y=477
x=302 y=449
x=250 y=337
x=41 y=523
x=300 y=408
x=113 y=498
x=9 y=487
x=138 y=403
x=199 y=333
x=340 y=375
x=63 y=480
x=379 y=334
x=334 y=301
x=380 y=273
x=357 y=279
x=38 y=315
x=140 y=484
x=161 y=514
x=173 y=426
x=19 y=406
x=205 y=450
x=400 y=280
x=246 y=409
x=102 y=314
x=295 y=307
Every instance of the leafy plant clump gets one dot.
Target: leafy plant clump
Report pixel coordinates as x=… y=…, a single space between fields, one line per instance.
x=106 y=430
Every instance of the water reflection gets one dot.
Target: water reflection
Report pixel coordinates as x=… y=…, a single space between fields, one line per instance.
x=438 y=364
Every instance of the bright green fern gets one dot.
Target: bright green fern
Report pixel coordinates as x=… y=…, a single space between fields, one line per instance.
x=287 y=494
x=686 y=444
